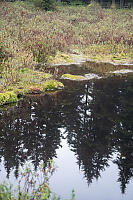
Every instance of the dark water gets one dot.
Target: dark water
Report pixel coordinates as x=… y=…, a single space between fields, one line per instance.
x=87 y=129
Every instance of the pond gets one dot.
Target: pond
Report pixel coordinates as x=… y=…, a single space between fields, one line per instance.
x=87 y=129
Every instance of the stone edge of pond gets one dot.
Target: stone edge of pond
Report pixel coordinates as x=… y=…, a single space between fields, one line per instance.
x=37 y=90
x=86 y=77
x=88 y=61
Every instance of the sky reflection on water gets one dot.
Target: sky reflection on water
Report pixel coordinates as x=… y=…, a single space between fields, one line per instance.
x=87 y=129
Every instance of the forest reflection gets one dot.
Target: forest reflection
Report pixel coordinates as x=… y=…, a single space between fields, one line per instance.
x=97 y=121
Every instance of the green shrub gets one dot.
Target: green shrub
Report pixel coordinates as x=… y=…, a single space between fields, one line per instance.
x=42 y=49
x=76 y=3
x=45 y=4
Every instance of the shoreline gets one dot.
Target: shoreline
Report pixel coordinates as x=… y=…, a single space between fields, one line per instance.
x=77 y=59
x=50 y=80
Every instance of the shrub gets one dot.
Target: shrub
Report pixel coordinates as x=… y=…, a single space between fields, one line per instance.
x=76 y=3
x=45 y=4
x=4 y=52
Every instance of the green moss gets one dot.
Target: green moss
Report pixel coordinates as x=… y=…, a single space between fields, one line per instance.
x=24 y=70
x=8 y=97
x=72 y=77
x=51 y=85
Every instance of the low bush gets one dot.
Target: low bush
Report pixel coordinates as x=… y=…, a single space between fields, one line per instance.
x=45 y=4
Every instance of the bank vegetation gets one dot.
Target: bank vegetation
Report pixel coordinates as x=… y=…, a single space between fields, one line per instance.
x=30 y=35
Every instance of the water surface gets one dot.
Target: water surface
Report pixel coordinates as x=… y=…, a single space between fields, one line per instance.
x=87 y=129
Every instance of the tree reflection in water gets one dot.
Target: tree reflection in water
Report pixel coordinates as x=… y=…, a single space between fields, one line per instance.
x=96 y=116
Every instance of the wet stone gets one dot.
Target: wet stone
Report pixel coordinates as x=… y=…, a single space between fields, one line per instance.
x=122 y=71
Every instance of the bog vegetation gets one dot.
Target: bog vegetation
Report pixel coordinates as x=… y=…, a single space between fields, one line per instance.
x=49 y=32
x=30 y=35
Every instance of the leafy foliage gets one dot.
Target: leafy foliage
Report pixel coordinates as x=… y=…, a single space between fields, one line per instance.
x=45 y=4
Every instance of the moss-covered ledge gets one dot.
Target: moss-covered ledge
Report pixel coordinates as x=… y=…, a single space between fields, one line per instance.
x=8 y=97
x=49 y=85
x=73 y=77
x=79 y=77
x=13 y=96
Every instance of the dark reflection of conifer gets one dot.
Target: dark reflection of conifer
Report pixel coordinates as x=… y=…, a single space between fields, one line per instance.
x=100 y=117
x=87 y=132
x=97 y=117
x=31 y=131
x=124 y=135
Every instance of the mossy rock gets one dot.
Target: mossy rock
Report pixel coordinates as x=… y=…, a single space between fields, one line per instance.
x=51 y=85
x=73 y=77
x=8 y=97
